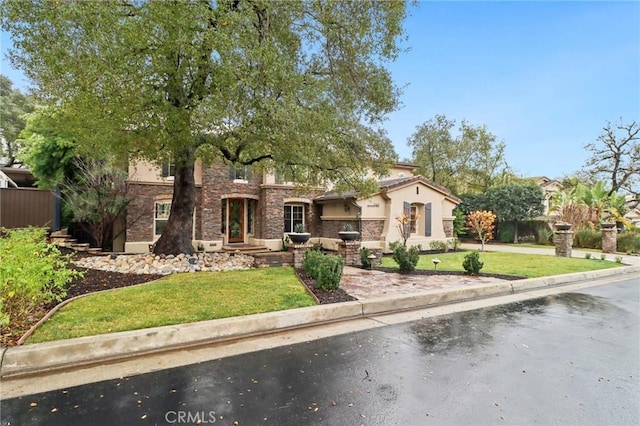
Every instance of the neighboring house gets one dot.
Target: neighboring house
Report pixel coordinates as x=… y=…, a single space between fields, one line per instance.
x=633 y=215
x=236 y=206
x=549 y=187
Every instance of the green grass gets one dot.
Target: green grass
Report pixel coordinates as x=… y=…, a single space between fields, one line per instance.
x=526 y=265
x=530 y=245
x=177 y=299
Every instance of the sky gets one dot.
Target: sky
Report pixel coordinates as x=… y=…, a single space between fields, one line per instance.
x=543 y=76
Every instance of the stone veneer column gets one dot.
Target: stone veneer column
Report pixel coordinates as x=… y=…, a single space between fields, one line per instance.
x=447 y=224
x=609 y=240
x=298 y=251
x=350 y=250
x=563 y=240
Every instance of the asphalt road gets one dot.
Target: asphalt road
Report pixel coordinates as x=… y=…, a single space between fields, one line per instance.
x=572 y=358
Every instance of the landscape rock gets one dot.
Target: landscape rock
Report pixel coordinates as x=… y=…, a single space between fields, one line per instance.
x=149 y=263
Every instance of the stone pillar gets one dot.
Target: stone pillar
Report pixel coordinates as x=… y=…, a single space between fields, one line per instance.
x=298 y=251
x=563 y=240
x=609 y=239
x=350 y=250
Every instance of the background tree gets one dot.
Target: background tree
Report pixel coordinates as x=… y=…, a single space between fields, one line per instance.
x=615 y=159
x=298 y=87
x=516 y=202
x=470 y=161
x=48 y=151
x=481 y=224
x=97 y=197
x=14 y=106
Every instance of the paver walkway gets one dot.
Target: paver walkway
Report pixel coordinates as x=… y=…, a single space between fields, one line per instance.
x=365 y=284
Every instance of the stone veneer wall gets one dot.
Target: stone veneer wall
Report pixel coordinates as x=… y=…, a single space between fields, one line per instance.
x=330 y=228
x=372 y=230
x=140 y=212
x=350 y=250
x=271 y=211
x=447 y=224
x=216 y=183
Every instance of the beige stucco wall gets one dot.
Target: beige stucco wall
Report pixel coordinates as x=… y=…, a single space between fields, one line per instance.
x=145 y=171
x=440 y=208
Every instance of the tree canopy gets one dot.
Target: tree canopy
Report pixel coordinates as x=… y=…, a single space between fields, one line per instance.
x=297 y=86
x=516 y=202
x=14 y=106
x=470 y=161
x=615 y=158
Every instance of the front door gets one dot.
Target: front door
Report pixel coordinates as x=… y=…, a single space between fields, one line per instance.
x=236 y=220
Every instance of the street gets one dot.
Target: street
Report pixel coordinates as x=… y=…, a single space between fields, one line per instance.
x=571 y=358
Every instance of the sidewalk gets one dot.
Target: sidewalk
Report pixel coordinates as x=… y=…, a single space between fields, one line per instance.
x=628 y=260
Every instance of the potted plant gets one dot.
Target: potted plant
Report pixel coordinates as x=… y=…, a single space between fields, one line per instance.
x=348 y=234
x=299 y=236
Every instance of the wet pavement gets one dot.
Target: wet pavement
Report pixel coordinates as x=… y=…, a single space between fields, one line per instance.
x=571 y=358
x=367 y=284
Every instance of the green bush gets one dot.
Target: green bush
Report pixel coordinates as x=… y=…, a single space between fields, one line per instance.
x=32 y=272
x=544 y=235
x=311 y=262
x=439 y=246
x=588 y=238
x=407 y=259
x=472 y=264
x=330 y=272
x=505 y=232
x=629 y=242
x=364 y=257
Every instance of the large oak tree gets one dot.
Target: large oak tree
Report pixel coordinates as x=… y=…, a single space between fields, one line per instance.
x=467 y=162
x=294 y=86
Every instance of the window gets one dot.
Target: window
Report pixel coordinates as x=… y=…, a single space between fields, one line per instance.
x=161 y=216
x=414 y=218
x=293 y=215
x=251 y=216
x=168 y=170
x=240 y=172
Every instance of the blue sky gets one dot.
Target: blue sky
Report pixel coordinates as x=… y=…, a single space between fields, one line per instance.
x=544 y=77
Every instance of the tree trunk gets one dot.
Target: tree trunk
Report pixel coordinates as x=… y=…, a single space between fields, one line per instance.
x=515 y=232
x=177 y=236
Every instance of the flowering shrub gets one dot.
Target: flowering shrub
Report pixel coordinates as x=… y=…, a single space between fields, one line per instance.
x=481 y=223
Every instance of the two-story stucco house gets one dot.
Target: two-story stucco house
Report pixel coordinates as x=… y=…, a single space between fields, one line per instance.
x=234 y=205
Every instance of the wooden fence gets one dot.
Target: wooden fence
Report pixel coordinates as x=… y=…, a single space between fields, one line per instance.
x=22 y=207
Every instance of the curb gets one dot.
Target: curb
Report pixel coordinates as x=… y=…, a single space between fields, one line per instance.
x=91 y=350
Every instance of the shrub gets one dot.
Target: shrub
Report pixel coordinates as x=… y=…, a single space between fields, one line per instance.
x=364 y=257
x=32 y=272
x=407 y=259
x=311 y=262
x=330 y=272
x=472 y=263
x=603 y=256
x=618 y=259
x=588 y=238
x=629 y=242
x=587 y=255
x=506 y=232
x=454 y=243
x=439 y=246
x=543 y=235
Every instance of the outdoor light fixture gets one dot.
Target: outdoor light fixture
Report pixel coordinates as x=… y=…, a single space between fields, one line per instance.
x=371 y=258
x=435 y=263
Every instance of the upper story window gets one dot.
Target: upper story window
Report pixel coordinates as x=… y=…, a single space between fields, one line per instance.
x=168 y=170
x=240 y=172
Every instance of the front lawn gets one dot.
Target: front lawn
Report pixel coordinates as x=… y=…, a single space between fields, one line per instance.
x=526 y=265
x=177 y=299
